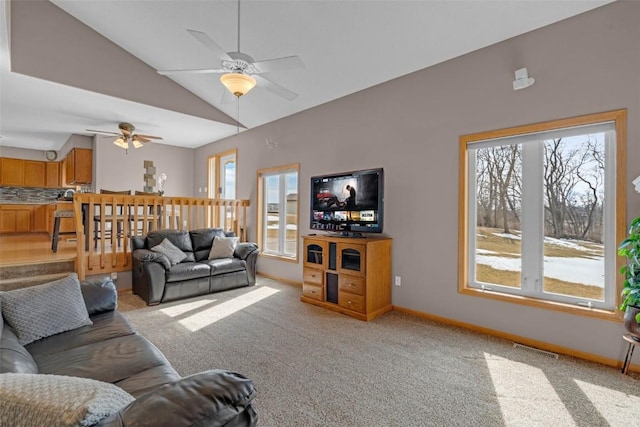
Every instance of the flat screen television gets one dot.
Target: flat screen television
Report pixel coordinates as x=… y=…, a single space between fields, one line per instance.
x=348 y=202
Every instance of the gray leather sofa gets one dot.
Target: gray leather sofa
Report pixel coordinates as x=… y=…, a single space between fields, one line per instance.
x=155 y=280
x=111 y=351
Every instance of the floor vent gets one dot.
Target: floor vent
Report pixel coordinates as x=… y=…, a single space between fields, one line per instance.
x=535 y=350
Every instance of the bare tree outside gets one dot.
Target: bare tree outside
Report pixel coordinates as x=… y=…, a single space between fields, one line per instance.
x=573 y=197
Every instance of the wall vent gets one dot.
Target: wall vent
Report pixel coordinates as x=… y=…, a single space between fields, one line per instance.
x=535 y=350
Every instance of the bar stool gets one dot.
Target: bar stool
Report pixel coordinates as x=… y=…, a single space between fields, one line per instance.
x=109 y=216
x=57 y=215
x=633 y=341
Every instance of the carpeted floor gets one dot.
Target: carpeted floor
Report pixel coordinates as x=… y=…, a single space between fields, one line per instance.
x=313 y=367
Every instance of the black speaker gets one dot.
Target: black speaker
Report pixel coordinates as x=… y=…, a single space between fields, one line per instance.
x=332 y=287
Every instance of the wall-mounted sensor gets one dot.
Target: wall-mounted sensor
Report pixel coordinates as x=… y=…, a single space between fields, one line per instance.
x=522 y=79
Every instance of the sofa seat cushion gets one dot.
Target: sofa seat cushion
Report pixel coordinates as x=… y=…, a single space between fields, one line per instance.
x=225 y=265
x=110 y=360
x=148 y=380
x=187 y=270
x=110 y=324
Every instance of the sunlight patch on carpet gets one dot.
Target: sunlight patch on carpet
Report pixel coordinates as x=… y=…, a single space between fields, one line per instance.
x=183 y=308
x=520 y=389
x=610 y=403
x=220 y=311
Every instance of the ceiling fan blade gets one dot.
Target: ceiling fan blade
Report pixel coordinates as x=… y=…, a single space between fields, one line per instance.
x=277 y=64
x=147 y=137
x=139 y=138
x=275 y=88
x=104 y=132
x=210 y=44
x=194 y=71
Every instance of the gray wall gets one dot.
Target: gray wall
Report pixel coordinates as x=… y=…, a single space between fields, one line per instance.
x=22 y=153
x=411 y=126
x=116 y=170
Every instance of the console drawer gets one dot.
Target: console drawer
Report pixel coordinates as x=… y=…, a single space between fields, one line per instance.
x=311 y=275
x=352 y=284
x=313 y=291
x=351 y=301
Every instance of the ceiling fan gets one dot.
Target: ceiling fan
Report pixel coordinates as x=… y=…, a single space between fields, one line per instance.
x=240 y=72
x=126 y=136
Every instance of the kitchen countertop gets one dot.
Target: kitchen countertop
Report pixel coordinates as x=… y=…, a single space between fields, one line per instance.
x=27 y=202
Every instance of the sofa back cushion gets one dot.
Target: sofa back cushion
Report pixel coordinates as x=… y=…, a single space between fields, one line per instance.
x=179 y=238
x=202 y=240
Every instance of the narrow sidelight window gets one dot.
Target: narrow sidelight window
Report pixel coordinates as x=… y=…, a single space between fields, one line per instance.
x=278 y=211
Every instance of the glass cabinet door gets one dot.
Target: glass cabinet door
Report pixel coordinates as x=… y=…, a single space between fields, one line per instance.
x=315 y=253
x=351 y=259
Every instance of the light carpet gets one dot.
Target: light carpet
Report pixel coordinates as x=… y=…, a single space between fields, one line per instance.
x=314 y=367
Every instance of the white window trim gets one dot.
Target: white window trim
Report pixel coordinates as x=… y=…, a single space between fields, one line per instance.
x=281 y=171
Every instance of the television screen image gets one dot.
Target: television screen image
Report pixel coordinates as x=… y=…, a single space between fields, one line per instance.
x=349 y=202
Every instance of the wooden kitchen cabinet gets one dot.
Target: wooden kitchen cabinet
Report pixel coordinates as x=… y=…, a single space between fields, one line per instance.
x=11 y=171
x=39 y=219
x=29 y=173
x=34 y=173
x=52 y=174
x=78 y=167
x=15 y=218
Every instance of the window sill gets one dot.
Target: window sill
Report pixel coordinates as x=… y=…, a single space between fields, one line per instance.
x=615 y=316
x=279 y=257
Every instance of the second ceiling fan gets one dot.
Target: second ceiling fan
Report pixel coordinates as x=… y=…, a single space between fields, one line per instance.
x=240 y=72
x=126 y=136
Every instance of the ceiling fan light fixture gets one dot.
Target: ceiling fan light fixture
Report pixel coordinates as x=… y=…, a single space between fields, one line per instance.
x=237 y=83
x=121 y=142
x=136 y=143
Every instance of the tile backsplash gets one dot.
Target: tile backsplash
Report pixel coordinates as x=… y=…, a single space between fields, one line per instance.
x=29 y=194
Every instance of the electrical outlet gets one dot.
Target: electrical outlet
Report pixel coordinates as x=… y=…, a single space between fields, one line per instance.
x=114 y=275
x=398 y=280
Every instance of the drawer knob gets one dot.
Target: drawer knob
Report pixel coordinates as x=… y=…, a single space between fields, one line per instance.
x=351 y=285
x=349 y=302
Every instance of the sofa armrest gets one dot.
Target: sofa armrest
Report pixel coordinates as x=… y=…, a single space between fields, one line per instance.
x=146 y=255
x=99 y=295
x=244 y=249
x=211 y=398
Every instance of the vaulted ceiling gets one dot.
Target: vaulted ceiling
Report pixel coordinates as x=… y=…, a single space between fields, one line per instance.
x=68 y=65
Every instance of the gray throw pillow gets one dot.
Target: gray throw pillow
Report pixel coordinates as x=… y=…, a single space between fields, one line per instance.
x=40 y=311
x=56 y=400
x=170 y=250
x=223 y=247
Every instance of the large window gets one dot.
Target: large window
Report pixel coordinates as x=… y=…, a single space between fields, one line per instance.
x=542 y=210
x=278 y=211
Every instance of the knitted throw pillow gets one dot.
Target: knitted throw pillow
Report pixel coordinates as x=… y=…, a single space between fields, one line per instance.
x=223 y=247
x=40 y=311
x=56 y=400
x=170 y=250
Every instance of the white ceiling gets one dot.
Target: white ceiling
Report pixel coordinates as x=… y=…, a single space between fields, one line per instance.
x=346 y=46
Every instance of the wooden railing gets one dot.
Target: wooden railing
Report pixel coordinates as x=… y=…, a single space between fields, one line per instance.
x=105 y=223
